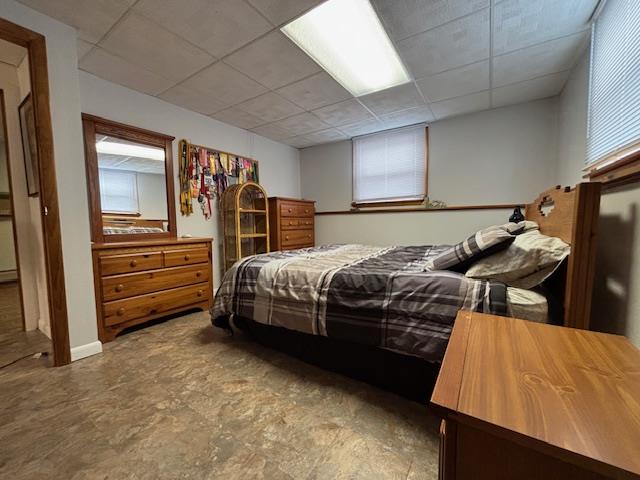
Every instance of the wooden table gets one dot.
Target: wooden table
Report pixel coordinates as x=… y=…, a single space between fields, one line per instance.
x=523 y=400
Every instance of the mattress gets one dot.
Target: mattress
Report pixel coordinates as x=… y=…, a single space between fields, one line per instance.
x=378 y=296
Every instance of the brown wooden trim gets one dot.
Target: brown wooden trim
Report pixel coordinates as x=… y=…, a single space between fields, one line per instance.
x=388 y=203
x=93 y=125
x=16 y=246
x=425 y=210
x=38 y=69
x=622 y=172
x=120 y=214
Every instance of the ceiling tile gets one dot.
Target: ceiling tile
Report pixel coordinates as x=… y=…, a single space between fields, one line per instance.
x=541 y=87
x=82 y=48
x=225 y=84
x=92 y=18
x=143 y=42
x=349 y=111
x=407 y=117
x=315 y=91
x=406 y=18
x=299 y=142
x=114 y=69
x=537 y=60
x=459 y=105
x=301 y=124
x=325 y=136
x=217 y=26
x=457 y=82
x=11 y=53
x=274 y=61
x=235 y=116
x=192 y=100
x=269 y=107
x=272 y=131
x=393 y=99
x=452 y=45
x=520 y=23
x=363 y=128
x=281 y=11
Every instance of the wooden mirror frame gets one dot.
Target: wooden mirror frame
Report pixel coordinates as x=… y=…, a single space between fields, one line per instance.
x=93 y=125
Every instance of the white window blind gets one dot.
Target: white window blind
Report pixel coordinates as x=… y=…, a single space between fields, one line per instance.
x=390 y=165
x=118 y=191
x=614 y=90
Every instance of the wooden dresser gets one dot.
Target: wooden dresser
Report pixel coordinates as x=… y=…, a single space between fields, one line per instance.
x=139 y=281
x=523 y=400
x=291 y=223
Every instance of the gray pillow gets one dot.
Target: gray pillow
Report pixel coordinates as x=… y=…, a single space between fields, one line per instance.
x=527 y=262
x=479 y=245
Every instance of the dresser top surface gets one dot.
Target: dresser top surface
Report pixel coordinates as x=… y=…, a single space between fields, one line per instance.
x=575 y=390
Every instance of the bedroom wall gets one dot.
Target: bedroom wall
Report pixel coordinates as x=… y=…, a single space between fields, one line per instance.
x=279 y=164
x=513 y=150
x=152 y=196
x=616 y=297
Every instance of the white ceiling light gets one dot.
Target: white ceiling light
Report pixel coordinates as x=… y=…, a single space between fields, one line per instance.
x=346 y=38
x=127 y=150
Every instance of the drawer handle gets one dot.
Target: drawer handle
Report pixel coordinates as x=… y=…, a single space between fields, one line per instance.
x=200 y=293
x=308 y=236
x=198 y=273
x=306 y=210
x=133 y=263
x=289 y=210
x=153 y=310
x=187 y=258
x=286 y=237
x=120 y=311
x=290 y=223
x=119 y=288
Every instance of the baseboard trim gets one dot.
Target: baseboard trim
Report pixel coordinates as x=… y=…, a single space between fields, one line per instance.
x=87 y=350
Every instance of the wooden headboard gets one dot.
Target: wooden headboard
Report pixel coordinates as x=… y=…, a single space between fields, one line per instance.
x=109 y=220
x=571 y=214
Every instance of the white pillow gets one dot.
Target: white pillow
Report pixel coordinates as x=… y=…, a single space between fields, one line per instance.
x=527 y=262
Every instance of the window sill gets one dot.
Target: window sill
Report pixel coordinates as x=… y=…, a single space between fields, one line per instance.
x=390 y=203
x=622 y=172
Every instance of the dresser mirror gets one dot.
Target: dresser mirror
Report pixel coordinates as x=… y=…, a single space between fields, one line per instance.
x=130 y=182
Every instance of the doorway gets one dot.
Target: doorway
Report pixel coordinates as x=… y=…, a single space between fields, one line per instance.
x=36 y=142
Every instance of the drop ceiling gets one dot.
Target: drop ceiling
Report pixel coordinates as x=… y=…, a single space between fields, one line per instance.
x=228 y=59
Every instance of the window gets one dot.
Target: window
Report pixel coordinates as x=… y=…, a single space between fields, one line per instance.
x=614 y=90
x=118 y=191
x=390 y=166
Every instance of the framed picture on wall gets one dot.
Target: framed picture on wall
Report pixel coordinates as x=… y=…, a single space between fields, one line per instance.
x=29 y=145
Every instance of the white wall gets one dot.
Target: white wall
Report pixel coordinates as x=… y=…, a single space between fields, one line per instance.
x=616 y=297
x=152 y=196
x=506 y=155
x=279 y=164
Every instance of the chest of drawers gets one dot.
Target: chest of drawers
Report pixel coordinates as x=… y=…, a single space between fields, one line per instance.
x=291 y=223
x=139 y=281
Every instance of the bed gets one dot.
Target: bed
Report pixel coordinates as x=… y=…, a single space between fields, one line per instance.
x=386 y=297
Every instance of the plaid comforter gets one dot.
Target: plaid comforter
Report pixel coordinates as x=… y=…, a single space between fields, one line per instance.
x=380 y=296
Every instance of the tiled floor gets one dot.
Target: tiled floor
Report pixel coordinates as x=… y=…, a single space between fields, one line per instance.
x=182 y=400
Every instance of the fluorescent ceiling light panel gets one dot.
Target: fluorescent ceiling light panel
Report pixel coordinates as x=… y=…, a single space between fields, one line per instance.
x=346 y=38
x=127 y=150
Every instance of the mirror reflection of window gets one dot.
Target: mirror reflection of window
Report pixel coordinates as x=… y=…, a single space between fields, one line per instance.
x=132 y=186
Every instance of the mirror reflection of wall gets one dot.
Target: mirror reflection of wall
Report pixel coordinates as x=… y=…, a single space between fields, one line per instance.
x=132 y=186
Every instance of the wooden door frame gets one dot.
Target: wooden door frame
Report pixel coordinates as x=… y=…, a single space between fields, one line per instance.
x=12 y=203
x=35 y=43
